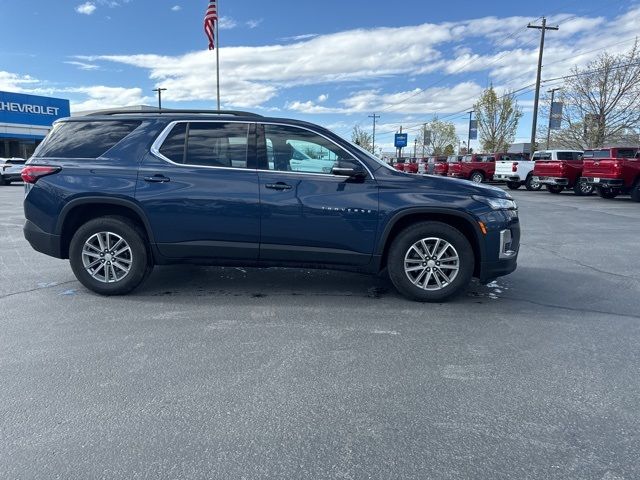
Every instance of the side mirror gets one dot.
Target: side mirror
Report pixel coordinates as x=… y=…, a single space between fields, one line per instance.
x=351 y=173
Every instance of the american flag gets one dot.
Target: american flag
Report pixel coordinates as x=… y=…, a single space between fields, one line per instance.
x=209 y=22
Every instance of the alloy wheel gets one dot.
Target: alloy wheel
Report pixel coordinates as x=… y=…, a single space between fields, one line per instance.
x=432 y=263
x=107 y=257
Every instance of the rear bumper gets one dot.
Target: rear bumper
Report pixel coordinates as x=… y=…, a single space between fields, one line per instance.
x=42 y=241
x=11 y=177
x=551 y=180
x=507 y=178
x=604 y=182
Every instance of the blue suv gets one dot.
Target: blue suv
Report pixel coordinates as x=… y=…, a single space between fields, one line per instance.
x=119 y=192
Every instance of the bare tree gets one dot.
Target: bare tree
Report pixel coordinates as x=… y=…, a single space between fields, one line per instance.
x=498 y=119
x=436 y=136
x=362 y=138
x=601 y=102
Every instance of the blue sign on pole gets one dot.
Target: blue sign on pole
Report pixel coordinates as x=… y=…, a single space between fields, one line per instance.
x=31 y=109
x=473 y=129
x=401 y=140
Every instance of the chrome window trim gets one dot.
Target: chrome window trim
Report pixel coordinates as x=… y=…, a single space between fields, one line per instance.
x=157 y=144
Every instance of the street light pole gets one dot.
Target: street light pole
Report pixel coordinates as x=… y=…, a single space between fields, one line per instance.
x=469 y=136
x=159 y=90
x=534 y=125
x=373 y=146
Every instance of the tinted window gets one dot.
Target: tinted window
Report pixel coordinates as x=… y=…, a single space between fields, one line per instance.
x=84 y=139
x=211 y=144
x=565 y=156
x=626 y=153
x=542 y=156
x=173 y=146
x=298 y=150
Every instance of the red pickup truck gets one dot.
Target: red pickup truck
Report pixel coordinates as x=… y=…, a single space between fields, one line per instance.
x=560 y=169
x=442 y=168
x=475 y=167
x=411 y=165
x=613 y=171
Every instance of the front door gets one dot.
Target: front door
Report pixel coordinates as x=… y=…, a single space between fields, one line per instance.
x=309 y=213
x=199 y=190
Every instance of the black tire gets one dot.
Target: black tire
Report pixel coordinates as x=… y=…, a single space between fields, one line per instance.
x=477 y=177
x=402 y=246
x=635 y=191
x=555 y=189
x=608 y=193
x=140 y=256
x=582 y=189
x=513 y=185
x=530 y=185
x=4 y=182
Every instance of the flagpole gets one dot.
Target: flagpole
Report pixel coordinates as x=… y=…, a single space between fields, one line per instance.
x=218 y=56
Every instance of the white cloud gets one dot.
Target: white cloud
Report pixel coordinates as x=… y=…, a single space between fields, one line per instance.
x=86 y=8
x=323 y=98
x=13 y=82
x=83 y=65
x=254 y=23
x=297 y=38
x=99 y=97
x=227 y=23
x=176 y=8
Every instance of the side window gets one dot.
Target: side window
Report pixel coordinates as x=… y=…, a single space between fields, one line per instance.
x=84 y=139
x=565 y=156
x=214 y=144
x=577 y=155
x=298 y=150
x=173 y=145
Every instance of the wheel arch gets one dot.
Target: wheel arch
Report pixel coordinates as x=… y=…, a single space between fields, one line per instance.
x=461 y=221
x=79 y=211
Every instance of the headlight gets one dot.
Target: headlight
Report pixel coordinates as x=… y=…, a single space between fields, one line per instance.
x=497 y=203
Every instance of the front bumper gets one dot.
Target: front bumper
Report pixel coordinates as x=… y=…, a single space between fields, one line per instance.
x=560 y=181
x=501 y=248
x=603 y=182
x=42 y=241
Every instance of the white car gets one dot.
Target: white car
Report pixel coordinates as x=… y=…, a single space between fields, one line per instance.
x=10 y=169
x=517 y=170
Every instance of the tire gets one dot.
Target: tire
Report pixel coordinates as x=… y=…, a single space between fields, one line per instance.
x=513 y=185
x=608 y=193
x=477 y=177
x=555 y=189
x=86 y=246
x=635 y=191
x=530 y=185
x=4 y=182
x=582 y=189
x=448 y=243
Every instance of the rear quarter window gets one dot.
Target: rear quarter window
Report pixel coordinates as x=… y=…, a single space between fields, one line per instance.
x=84 y=139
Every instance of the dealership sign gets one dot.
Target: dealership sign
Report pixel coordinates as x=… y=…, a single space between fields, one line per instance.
x=24 y=109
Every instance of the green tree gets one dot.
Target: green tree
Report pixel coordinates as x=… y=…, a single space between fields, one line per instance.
x=362 y=138
x=436 y=136
x=498 y=119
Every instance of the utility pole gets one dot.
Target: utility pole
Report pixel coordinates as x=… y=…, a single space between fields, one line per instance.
x=469 y=136
x=553 y=93
x=424 y=138
x=159 y=90
x=543 y=28
x=400 y=148
x=415 y=147
x=375 y=117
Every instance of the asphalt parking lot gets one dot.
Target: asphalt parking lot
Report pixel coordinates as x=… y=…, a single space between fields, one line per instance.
x=251 y=374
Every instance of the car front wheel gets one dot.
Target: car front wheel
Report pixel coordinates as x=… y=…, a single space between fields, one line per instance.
x=477 y=177
x=608 y=193
x=430 y=262
x=531 y=185
x=109 y=255
x=582 y=188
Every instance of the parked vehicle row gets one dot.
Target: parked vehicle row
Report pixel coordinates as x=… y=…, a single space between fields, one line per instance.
x=608 y=171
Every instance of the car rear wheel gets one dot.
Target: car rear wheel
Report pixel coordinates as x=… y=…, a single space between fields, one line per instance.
x=555 y=189
x=110 y=255
x=477 y=177
x=531 y=185
x=430 y=262
x=635 y=191
x=513 y=185
x=582 y=188
x=608 y=193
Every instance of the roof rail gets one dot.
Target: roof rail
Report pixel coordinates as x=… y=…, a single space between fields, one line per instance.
x=237 y=113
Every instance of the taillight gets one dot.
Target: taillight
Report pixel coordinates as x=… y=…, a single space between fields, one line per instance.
x=514 y=167
x=32 y=173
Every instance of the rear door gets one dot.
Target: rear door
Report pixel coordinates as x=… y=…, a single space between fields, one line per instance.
x=199 y=190
x=308 y=213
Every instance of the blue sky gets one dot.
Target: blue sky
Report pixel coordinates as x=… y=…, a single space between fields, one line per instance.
x=332 y=63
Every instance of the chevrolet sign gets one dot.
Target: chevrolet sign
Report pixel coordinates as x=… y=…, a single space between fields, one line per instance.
x=18 y=108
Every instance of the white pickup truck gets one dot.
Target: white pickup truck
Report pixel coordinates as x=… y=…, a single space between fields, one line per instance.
x=517 y=170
